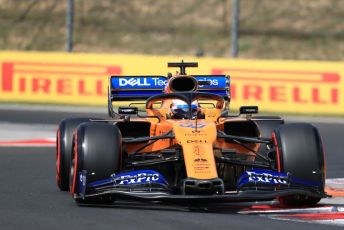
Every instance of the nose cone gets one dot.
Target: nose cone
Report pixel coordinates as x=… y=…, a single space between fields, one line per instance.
x=197 y=144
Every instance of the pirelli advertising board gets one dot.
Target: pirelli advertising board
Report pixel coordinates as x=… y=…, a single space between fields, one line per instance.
x=303 y=87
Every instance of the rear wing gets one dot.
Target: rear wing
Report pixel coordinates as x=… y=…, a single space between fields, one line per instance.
x=136 y=88
x=129 y=88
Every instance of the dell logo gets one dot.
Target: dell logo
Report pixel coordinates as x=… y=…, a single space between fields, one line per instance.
x=133 y=82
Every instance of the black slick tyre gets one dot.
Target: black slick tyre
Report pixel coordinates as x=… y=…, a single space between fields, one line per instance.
x=266 y=125
x=300 y=152
x=64 y=138
x=97 y=149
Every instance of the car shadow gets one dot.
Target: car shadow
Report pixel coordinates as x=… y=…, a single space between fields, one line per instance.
x=246 y=208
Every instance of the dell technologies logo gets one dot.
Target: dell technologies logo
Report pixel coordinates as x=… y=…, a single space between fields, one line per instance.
x=142 y=82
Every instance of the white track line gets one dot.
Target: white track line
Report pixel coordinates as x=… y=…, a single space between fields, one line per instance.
x=336 y=222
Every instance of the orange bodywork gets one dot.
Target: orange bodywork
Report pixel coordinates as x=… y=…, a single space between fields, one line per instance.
x=198 y=139
x=197 y=145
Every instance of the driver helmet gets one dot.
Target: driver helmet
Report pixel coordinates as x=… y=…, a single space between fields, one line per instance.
x=180 y=108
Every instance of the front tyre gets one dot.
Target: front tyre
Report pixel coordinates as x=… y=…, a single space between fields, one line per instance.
x=300 y=152
x=64 y=139
x=96 y=149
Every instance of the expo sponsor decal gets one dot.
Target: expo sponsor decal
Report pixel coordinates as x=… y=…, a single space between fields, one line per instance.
x=266 y=177
x=138 y=177
x=255 y=177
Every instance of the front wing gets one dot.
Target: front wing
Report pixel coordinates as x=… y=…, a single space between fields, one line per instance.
x=149 y=185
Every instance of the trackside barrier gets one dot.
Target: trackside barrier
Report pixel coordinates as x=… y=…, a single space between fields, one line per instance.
x=305 y=87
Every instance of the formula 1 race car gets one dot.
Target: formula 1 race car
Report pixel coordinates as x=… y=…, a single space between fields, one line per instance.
x=185 y=146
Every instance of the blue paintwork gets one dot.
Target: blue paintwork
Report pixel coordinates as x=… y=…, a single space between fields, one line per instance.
x=216 y=81
x=262 y=177
x=147 y=86
x=82 y=183
x=132 y=178
x=138 y=82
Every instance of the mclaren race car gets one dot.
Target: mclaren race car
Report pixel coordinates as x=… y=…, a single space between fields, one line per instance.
x=176 y=141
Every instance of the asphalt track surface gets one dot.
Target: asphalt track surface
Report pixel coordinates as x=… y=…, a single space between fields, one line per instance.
x=30 y=198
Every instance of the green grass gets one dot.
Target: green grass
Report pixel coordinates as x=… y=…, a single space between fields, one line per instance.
x=294 y=29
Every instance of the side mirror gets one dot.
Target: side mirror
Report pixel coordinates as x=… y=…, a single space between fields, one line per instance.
x=128 y=110
x=248 y=109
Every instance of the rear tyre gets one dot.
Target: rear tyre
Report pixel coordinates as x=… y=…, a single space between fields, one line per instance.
x=97 y=149
x=64 y=150
x=300 y=152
